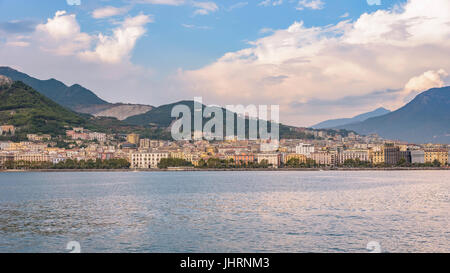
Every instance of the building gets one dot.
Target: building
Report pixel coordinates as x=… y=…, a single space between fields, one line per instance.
x=273 y=160
x=133 y=139
x=100 y=137
x=304 y=149
x=5 y=157
x=147 y=160
x=324 y=158
x=32 y=157
x=7 y=130
x=361 y=155
x=34 y=137
x=287 y=157
x=391 y=154
x=144 y=143
x=440 y=155
x=418 y=157
x=376 y=155
x=244 y=159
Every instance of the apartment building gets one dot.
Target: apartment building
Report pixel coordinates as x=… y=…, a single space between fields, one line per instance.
x=304 y=149
x=147 y=160
x=32 y=157
x=361 y=155
x=440 y=155
x=274 y=160
x=324 y=158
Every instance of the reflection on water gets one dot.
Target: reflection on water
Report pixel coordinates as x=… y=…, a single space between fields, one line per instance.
x=225 y=211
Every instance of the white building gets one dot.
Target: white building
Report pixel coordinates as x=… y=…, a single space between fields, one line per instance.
x=361 y=155
x=273 y=160
x=100 y=137
x=147 y=160
x=418 y=156
x=304 y=149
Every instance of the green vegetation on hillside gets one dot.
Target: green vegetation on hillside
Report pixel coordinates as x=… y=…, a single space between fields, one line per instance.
x=32 y=112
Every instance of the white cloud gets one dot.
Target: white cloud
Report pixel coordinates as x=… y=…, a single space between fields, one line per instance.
x=342 y=63
x=267 y=3
x=113 y=49
x=310 y=4
x=237 y=6
x=429 y=79
x=204 y=8
x=108 y=11
x=62 y=34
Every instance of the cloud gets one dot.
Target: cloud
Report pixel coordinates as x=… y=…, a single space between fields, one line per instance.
x=204 y=8
x=108 y=11
x=201 y=7
x=267 y=3
x=115 y=48
x=61 y=35
x=196 y=27
x=310 y=4
x=237 y=6
x=379 y=51
x=73 y=2
x=374 y=2
x=429 y=79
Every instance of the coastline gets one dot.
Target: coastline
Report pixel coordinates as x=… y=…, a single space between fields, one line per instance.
x=227 y=170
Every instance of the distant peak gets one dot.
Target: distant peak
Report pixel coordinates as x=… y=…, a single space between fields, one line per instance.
x=382 y=109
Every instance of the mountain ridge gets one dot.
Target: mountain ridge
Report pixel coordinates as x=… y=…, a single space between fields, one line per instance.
x=331 y=123
x=425 y=119
x=76 y=97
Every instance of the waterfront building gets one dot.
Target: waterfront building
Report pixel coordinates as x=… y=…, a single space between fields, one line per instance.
x=32 y=157
x=304 y=149
x=5 y=157
x=287 y=157
x=244 y=159
x=147 y=160
x=274 y=160
x=361 y=155
x=440 y=155
x=376 y=155
x=324 y=158
x=391 y=154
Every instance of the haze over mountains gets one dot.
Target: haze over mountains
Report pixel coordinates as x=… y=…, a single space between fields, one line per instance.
x=426 y=119
x=345 y=121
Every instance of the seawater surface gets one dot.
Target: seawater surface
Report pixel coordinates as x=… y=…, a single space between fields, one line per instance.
x=405 y=211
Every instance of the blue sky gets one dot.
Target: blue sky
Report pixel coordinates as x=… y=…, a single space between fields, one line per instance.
x=170 y=45
x=296 y=53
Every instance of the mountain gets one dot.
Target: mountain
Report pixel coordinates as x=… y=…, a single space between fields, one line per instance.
x=426 y=119
x=160 y=117
x=32 y=112
x=72 y=97
x=345 y=121
x=76 y=97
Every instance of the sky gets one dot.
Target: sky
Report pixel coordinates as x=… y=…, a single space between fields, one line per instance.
x=317 y=59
